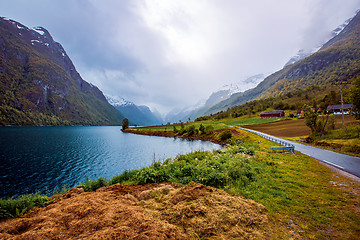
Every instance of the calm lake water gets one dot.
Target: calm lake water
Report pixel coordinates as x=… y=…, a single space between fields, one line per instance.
x=39 y=158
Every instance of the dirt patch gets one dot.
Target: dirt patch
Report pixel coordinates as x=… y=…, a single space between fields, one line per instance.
x=294 y=127
x=287 y=128
x=151 y=211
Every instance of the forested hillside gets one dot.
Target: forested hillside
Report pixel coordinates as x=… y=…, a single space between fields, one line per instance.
x=40 y=85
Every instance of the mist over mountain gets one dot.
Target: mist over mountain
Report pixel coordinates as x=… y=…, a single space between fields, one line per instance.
x=40 y=84
x=304 y=53
x=137 y=115
x=336 y=59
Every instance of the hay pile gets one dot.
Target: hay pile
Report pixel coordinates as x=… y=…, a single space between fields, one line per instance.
x=152 y=211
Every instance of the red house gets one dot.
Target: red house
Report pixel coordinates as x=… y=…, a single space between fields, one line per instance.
x=272 y=114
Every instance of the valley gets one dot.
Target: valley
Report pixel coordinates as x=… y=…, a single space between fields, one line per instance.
x=117 y=184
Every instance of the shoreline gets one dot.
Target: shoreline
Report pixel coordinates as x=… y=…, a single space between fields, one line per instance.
x=172 y=135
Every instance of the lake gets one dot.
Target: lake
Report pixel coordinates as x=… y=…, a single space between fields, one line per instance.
x=40 y=158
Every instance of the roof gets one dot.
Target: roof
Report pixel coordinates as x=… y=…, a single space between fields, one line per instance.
x=272 y=112
x=338 y=107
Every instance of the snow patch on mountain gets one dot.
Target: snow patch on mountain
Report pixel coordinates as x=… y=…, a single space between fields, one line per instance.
x=242 y=85
x=304 y=53
x=338 y=30
x=118 y=101
x=39 y=30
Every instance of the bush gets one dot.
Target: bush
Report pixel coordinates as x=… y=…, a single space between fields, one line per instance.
x=190 y=130
x=215 y=179
x=225 y=135
x=152 y=175
x=202 y=128
x=249 y=150
x=123 y=177
x=209 y=129
x=92 y=185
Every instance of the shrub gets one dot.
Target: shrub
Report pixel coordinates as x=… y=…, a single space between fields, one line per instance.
x=246 y=149
x=190 y=130
x=92 y=185
x=225 y=135
x=14 y=207
x=202 y=128
x=123 y=177
x=152 y=175
x=215 y=179
x=209 y=129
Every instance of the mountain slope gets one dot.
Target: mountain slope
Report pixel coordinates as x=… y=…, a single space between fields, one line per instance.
x=223 y=94
x=338 y=59
x=40 y=85
x=137 y=115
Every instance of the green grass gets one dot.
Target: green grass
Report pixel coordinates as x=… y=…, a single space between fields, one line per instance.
x=218 y=125
x=294 y=188
x=14 y=207
x=250 y=121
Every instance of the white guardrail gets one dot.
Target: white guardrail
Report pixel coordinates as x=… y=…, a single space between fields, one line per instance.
x=270 y=138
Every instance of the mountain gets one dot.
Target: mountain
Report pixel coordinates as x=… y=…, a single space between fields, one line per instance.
x=40 y=85
x=221 y=95
x=304 y=53
x=337 y=59
x=137 y=115
x=227 y=90
x=301 y=54
x=177 y=115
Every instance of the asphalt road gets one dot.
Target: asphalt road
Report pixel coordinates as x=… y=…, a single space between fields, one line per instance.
x=344 y=162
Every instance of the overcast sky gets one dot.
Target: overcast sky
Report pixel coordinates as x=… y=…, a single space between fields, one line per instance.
x=172 y=53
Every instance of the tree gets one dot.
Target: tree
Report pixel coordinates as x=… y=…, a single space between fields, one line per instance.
x=312 y=120
x=125 y=124
x=175 y=130
x=190 y=130
x=201 y=128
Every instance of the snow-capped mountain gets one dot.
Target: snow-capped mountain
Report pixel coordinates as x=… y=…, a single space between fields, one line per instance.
x=137 y=115
x=337 y=30
x=304 y=53
x=227 y=90
x=118 y=101
x=301 y=54
x=221 y=94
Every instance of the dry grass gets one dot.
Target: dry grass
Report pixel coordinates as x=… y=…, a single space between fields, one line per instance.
x=156 y=211
x=210 y=213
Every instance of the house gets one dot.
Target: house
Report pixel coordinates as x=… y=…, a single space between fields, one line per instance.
x=301 y=113
x=271 y=114
x=336 y=109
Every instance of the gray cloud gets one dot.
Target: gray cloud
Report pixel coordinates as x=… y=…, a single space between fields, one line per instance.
x=168 y=54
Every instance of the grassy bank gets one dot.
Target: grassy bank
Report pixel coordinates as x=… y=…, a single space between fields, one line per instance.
x=303 y=198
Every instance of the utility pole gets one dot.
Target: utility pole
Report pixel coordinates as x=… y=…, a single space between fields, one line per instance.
x=342 y=102
x=342 y=106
